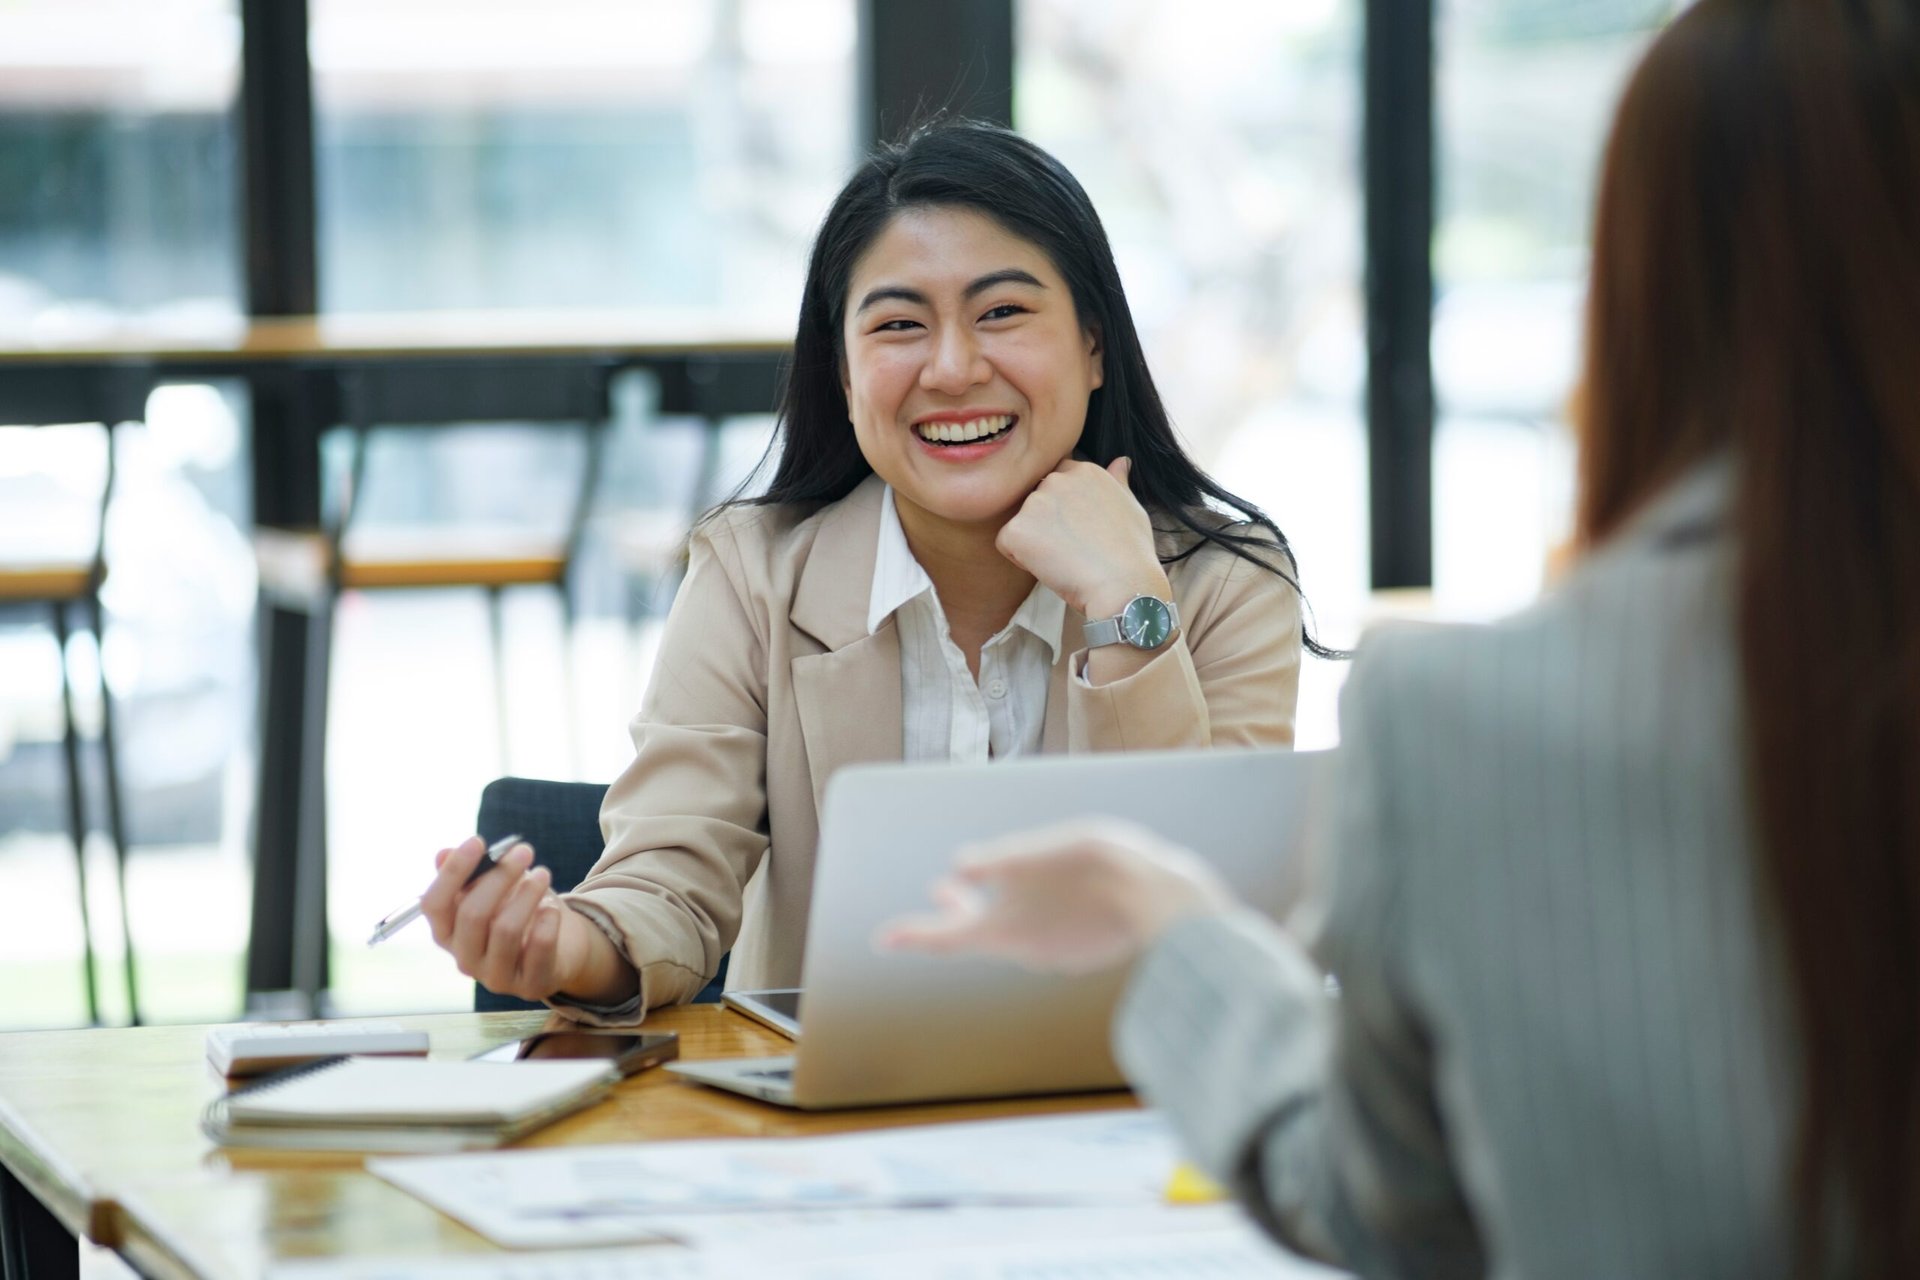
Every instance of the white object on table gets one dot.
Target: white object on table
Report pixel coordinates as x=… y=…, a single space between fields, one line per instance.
x=249 y=1048
x=582 y=1196
x=1164 y=1243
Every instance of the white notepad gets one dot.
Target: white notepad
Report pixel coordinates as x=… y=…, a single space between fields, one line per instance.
x=251 y=1048
x=405 y=1104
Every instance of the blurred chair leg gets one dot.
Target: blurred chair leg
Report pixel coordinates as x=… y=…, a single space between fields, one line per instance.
x=569 y=676
x=631 y=618
x=116 y=820
x=312 y=940
x=34 y=1245
x=76 y=811
x=497 y=630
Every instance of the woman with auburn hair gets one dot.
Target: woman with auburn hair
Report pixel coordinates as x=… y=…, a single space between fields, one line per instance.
x=1625 y=900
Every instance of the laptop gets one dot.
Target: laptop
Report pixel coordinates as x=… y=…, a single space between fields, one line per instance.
x=894 y=1028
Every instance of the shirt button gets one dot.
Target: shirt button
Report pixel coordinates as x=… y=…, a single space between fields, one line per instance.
x=996 y=688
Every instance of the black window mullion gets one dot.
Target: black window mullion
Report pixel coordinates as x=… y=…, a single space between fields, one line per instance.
x=1399 y=173
x=287 y=948
x=276 y=125
x=917 y=57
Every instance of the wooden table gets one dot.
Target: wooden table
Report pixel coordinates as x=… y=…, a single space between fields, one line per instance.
x=100 y=1138
x=706 y=365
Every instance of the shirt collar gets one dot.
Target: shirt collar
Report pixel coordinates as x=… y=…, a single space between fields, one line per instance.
x=897 y=576
x=1044 y=614
x=898 y=579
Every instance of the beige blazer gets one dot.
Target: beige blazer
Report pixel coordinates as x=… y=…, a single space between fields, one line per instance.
x=767 y=682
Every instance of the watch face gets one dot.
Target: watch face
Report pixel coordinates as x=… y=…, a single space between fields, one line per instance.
x=1145 y=623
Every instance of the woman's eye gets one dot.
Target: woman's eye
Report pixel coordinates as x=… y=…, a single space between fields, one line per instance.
x=896 y=326
x=1004 y=310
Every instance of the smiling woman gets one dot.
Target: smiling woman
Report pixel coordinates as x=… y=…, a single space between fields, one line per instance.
x=982 y=539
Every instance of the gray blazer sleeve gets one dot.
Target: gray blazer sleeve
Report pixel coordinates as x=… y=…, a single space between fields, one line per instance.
x=1315 y=1103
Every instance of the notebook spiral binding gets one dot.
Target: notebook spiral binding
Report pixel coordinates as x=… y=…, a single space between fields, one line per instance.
x=273 y=1079
x=213 y=1121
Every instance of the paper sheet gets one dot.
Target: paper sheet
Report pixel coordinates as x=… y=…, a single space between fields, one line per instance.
x=1212 y=1243
x=587 y=1196
x=1235 y=1252
x=853 y=1234
x=665 y=1262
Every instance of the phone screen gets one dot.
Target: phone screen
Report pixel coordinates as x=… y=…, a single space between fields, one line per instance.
x=630 y=1051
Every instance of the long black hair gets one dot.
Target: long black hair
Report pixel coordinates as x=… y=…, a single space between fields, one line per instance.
x=964 y=164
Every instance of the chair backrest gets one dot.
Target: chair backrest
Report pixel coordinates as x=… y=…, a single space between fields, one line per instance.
x=561 y=820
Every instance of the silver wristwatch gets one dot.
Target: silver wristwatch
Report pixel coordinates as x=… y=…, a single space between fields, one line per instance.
x=1146 y=623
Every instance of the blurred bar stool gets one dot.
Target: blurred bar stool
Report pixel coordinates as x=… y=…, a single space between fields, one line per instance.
x=47 y=397
x=649 y=544
x=310 y=569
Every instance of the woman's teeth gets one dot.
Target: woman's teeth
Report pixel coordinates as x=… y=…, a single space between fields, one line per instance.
x=964 y=432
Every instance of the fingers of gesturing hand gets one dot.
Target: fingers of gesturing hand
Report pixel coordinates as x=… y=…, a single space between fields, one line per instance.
x=479 y=900
x=956 y=925
x=502 y=929
x=1069 y=850
x=477 y=904
x=504 y=958
x=1071 y=898
x=453 y=865
x=540 y=956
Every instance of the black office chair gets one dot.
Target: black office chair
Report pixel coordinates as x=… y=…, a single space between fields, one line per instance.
x=561 y=820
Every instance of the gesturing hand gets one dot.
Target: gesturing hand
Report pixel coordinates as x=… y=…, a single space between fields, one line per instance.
x=1073 y=898
x=506 y=931
x=1082 y=533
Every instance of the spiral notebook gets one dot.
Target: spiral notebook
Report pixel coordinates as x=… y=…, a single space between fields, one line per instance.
x=404 y=1104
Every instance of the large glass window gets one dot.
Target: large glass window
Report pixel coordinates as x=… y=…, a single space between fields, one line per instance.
x=1220 y=142
x=117 y=174
x=1526 y=90
x=119 y=209
x=659 y=156
x=577 y=153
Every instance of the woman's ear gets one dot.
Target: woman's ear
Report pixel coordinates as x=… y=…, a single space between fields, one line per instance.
x=1096 y=358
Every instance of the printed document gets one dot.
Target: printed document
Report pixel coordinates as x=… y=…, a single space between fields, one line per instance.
x=1212 y=1242
x=585 y=1196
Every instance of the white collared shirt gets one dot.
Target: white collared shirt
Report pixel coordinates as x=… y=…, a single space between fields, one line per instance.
x=947 y=715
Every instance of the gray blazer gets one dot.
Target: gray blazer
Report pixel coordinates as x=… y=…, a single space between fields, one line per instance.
x=1558 y=1046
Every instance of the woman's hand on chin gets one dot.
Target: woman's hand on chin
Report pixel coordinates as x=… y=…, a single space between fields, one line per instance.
x=1082 y=533
x=1073 y=898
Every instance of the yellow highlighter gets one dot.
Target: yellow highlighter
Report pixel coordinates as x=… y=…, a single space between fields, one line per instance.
x=1190 y=1186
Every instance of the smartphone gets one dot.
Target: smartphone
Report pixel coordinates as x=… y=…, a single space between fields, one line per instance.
x=629 y=1051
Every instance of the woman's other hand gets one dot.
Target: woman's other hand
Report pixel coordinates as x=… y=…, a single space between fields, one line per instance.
x=1073 y=898
x=507 y=931
x=1082 y=533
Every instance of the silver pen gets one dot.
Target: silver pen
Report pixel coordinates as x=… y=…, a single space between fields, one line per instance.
x=398 y=920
